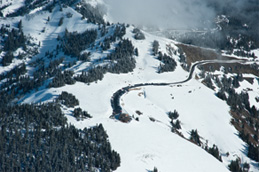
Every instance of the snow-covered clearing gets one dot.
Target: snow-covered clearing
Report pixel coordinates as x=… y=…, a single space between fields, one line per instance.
x=144 y=144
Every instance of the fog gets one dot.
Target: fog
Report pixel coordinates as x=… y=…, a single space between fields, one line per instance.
x=174 y=14
x=168 y=14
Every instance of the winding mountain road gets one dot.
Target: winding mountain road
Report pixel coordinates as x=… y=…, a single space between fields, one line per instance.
x=115 y=100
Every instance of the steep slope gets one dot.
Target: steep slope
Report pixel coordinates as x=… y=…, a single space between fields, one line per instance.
x=126 y=138
x=147 y=141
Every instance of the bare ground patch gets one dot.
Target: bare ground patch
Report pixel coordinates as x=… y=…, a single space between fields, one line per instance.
x=240 y=121
x=233 y=68
x=194 y=54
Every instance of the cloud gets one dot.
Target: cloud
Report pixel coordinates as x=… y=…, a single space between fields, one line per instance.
x=169 y=14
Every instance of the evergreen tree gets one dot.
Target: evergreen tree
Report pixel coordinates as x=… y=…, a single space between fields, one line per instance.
x=7 y=59
x=173 y=115
x=61 y=20
x=215 y=152
x=194 y=136
x=20 y=25
x=155 y=47
x=234 y=166
x=253 y=152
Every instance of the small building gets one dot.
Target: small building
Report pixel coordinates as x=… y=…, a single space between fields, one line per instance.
x=125 y=117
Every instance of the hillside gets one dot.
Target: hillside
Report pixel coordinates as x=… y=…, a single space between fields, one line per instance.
x=85 y=94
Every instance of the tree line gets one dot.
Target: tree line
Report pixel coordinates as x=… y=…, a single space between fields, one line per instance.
x=36 y=137
x=14 y=40
x=240 y=105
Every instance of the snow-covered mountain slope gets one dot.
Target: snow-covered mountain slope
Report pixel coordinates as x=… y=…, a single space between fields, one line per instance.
x=147 y=142
x=11 y=6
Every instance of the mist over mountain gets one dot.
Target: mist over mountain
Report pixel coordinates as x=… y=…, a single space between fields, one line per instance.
x=165 y=14
x=176 y=14
x=218 y=22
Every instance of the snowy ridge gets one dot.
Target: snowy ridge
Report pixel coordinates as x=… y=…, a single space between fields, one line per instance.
x=11 y=6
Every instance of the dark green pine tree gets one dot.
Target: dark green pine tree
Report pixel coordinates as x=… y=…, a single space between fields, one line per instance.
x=195 y=137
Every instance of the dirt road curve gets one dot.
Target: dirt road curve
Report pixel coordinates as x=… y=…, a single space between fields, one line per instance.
x=115 y=100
